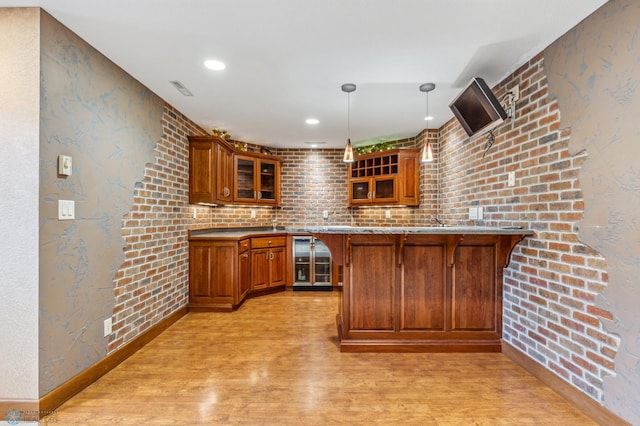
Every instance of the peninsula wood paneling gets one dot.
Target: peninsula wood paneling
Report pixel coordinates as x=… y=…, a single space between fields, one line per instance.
x=422 y=286
x=474 y=289
x=372 y=273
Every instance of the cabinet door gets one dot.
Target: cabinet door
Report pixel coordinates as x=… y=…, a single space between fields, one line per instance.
x=277 y=256
x=268 y=182
x=244 y=276
x=200 y=270
x=385 y=190
x=260 y=269
x=201 y=177
x=244 y=170
x=224 y=173
x=360 y=191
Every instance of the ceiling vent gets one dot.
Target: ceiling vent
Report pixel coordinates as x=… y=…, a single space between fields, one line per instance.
x=181 y=88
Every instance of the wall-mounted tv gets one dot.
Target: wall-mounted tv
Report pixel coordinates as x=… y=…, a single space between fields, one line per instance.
x=477 y=108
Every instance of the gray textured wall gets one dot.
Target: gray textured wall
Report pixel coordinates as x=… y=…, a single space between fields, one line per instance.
x=594 y=71
x=110 y=124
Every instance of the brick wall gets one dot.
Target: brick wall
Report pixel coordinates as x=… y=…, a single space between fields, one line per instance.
x=152 y=283
x=553 y=279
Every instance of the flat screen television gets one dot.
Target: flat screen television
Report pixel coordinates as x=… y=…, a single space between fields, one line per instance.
x=477 y=108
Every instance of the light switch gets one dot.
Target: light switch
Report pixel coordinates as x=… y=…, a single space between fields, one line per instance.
x=473 y=213
x=511 y=179
x=387 y=214
x=325 y=214
x=66 y=209
x=64 y=165
x=479 y=213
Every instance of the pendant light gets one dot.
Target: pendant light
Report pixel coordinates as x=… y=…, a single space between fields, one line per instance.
x=348 y=150
x=426 y=155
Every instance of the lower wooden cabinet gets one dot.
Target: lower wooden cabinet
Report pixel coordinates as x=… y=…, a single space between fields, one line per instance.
x=222 y=273
x=213 y=274
x=268 y=262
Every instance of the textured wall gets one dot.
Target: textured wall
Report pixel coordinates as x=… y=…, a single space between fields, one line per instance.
x=110 y=124
x=19 y=100
x=555 y=276
x=594 y=73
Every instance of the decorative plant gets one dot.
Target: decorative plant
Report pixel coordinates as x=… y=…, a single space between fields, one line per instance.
x=221 y=133
x=377 y=147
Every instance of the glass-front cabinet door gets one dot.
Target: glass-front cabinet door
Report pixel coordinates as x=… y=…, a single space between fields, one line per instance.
x=268 y=181
x=245 y=179
x=360 y=191
x=384 y=190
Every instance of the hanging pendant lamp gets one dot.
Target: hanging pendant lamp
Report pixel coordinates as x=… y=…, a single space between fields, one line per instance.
x=426 y=156
x=348 y=150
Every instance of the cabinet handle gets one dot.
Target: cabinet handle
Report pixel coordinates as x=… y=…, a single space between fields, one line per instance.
x=226 y=191
x=244 y=256
x=259 y=195
x=270 y=256
x=369 y=195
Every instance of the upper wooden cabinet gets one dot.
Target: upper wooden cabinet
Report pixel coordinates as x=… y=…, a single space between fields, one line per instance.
x=385 y=178
x=257 y=180
x=218 y=174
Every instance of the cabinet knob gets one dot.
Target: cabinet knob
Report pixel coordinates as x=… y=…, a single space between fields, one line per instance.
x=269 y=242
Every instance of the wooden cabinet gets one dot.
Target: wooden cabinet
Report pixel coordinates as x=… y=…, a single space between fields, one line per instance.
x=257 y=180
x=268 y=262
x=218 y=174
x=224 y=173
x=429 y=292
x=213 y=275
x=225 y=271
x=385 y=178
x=244 y=270
x=210 y=170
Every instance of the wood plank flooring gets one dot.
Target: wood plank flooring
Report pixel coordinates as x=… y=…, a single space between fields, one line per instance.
x=275 y=362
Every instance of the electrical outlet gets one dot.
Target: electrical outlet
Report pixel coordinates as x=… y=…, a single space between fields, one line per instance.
x=325 y=214
x=107 y=327
x=479 y=213
x=387 y=214
x=515 y=93
x=473 y=213
x=253 y=214
x=511 y=179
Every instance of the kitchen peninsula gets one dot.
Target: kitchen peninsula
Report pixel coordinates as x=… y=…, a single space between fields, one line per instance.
x=433 y=289
x=405 y=289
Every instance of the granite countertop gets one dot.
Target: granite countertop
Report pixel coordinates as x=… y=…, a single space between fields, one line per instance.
x=239 y=233
x=469 y=230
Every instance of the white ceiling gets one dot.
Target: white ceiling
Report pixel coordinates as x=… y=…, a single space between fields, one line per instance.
x=286 y=59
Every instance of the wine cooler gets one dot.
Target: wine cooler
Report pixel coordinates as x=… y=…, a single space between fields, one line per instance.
x=312 y=264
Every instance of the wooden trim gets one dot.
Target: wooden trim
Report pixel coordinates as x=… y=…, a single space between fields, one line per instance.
x=73 y=386
x=414 y=346
x=580 y=400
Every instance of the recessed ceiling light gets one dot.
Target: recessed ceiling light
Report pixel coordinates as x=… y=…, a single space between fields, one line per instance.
x=315 y=144
x=428 y=118
x=312 y=121
x=214 y=65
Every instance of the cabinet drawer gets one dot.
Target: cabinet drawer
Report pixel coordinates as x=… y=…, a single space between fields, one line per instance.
x=267 y=242
x=244 y=245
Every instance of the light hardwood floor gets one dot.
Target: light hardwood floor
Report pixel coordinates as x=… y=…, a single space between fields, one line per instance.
x=275 y=362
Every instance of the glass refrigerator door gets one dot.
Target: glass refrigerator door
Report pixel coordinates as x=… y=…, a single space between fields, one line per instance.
x=302 y=264
x=322 y=267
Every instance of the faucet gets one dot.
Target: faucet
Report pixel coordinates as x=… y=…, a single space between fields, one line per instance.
x=438 y=221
